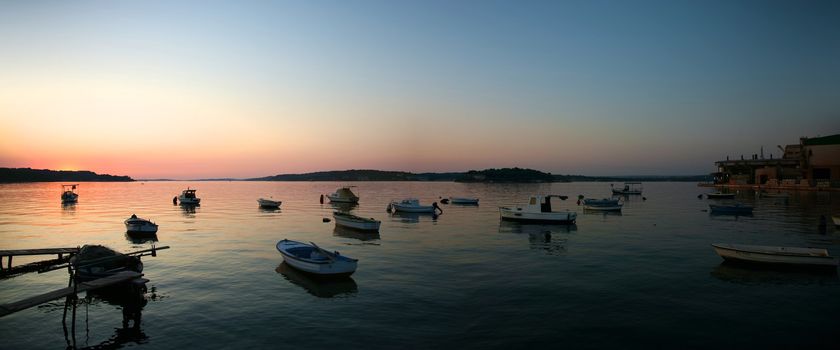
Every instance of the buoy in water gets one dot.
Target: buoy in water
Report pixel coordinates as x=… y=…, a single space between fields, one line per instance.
x=322 y=199
x=326 y=220
x=388 y=209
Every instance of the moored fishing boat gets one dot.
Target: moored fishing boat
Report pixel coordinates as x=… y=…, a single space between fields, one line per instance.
x=602 y=204
x=188 y=197
x=736 y=208
x=315 y=260
x=268 y=203
x=68 y=193
x=538 y=210
x=629 y=188
x=463 y=200
x=343 y=195
x=816 y=257
x=412 y=205
x=720 y=195
x=135 y=225
x=356 y=222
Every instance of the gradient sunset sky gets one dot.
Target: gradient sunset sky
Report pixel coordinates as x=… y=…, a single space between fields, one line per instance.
x=197 y=89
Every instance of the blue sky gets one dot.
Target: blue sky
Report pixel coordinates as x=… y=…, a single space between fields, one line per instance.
x=584 y=87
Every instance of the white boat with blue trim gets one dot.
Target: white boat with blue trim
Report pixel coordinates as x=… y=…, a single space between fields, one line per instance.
x=605 y=204
x=315 y=260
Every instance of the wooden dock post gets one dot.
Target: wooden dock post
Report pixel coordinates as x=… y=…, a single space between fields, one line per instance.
x=123 y=276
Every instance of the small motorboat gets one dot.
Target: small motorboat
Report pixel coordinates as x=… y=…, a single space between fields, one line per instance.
x=720 y=195
x=343 y=195
x=356 y=222
x=538 y=210
x=736 y=208
x=629 y=188
x=68 y=193
x=315 y=260
x=188 y=197
x=412 y=205
x=137 y=225
x=269 y=203
x=602 y=204
x=816 y=257
x=463 y=200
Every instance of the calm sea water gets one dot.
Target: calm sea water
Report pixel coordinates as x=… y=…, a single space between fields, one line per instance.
x=645 y=278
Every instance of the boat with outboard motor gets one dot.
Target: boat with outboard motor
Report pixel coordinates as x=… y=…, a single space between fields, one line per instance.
x=538 y=210
x=343 y=195
x=68 y=193
x=315 y=260
x=188 y=197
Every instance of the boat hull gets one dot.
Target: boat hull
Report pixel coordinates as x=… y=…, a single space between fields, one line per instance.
x=552 y=217
x=356 y=223
x=413 y=209
x=325 y=267
x=189 y=201
x=728 y=209
x=463 y=201
x=603 y=207
x=776 y=255
x=267 y=203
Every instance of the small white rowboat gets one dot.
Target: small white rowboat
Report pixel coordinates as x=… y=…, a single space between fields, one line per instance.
x=463 y=201
x=776 y=255
x=139 y=225
x=356 y=222
x=315 y=260
x=268 y=203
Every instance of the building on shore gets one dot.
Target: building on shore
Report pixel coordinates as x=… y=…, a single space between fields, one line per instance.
x=814 y=162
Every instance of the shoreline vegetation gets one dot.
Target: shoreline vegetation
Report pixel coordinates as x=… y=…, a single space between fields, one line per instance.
x=14 y=175
x=502 y=175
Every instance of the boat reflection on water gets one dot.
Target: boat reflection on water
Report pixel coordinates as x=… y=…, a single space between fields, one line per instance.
x=602 y=213
x=340 y=231
x=728 y=216
x=548 y=238
x=343 y=207
x=141 y=238
x=753 y=274
x=268 y=209
x=130 y=297
x=319 y=287
x=413 y=217
x=189 y=209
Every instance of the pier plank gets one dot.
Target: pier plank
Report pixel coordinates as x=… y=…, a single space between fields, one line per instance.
x=39 y=251
x=10 y=308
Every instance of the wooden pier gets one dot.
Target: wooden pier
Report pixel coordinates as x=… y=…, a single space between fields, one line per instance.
x=123 y=276
x=43 y=251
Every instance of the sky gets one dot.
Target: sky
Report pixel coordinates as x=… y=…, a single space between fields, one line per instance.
x=206 y=89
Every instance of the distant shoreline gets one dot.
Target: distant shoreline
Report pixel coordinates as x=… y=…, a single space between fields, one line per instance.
x=25 y=175
x=505 y=175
